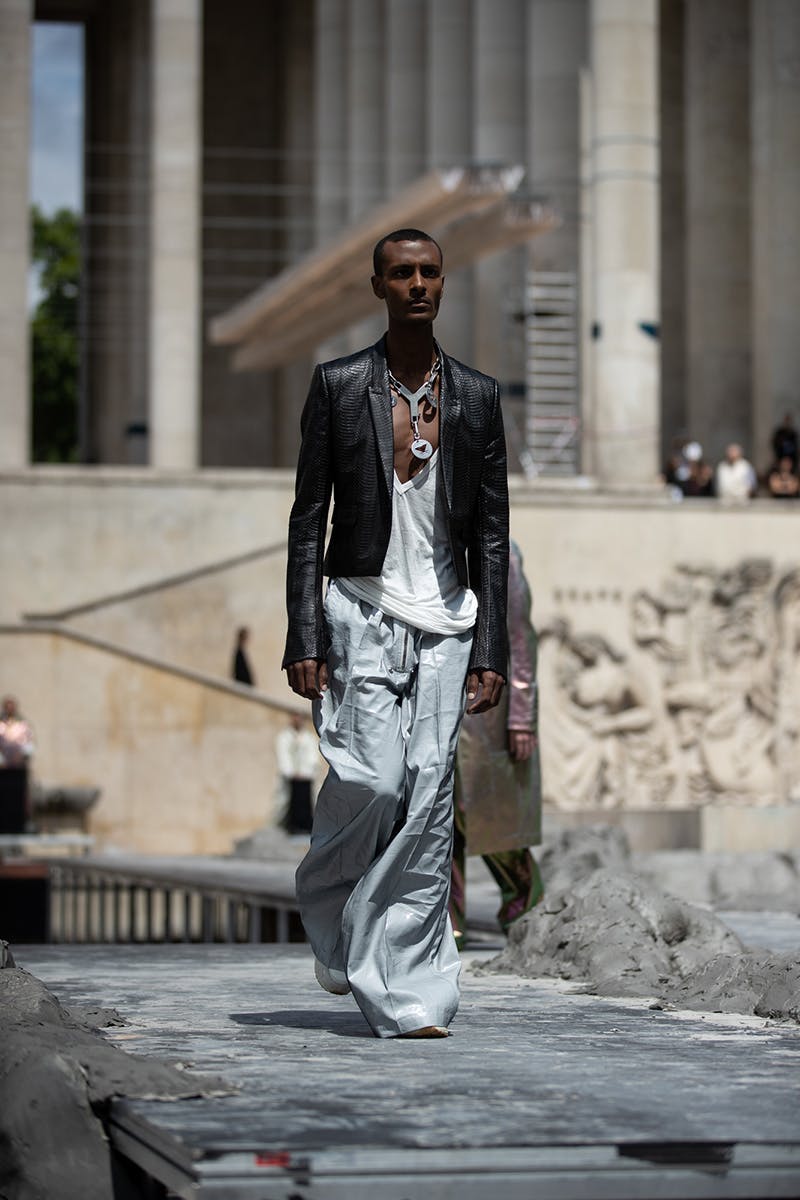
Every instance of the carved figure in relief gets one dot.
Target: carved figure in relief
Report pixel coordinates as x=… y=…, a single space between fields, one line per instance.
x=606 y=725
x=703 y=708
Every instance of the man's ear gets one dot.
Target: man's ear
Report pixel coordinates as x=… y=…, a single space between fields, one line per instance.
x=377 y=286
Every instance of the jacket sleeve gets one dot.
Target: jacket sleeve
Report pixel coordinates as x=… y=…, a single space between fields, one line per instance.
x=522 y=695
x=490 y=642
x=307 y=526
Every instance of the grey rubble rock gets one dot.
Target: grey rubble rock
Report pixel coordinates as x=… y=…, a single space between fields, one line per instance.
x=625 y=935
x=766 y=985
x=56 y=1072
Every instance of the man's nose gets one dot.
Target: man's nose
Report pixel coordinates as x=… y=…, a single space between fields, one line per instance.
x=418 y=282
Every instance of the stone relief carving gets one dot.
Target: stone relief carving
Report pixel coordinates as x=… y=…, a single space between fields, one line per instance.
x=701 y=707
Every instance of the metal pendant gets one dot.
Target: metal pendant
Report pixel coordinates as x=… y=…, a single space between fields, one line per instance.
x=421 y=448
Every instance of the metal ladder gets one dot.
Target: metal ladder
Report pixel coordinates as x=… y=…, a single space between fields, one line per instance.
x=552 y=406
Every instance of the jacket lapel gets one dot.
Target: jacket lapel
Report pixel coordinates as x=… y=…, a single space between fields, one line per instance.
x=450 y=409
x=381 y=409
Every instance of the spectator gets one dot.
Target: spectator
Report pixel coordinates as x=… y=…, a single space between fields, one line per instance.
x=783 y=482
x=699 y=480
x=298 y=762
x=687 y=472
x=785 y=442
x=241 y=670
x=16 y=748
x=735 y=479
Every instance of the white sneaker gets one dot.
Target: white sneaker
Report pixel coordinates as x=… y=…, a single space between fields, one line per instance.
x=330 y=980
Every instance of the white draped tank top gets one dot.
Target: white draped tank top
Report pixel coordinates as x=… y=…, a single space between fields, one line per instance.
x=418 y=583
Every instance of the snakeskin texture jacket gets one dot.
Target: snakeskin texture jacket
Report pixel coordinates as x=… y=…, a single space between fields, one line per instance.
x=348 y=449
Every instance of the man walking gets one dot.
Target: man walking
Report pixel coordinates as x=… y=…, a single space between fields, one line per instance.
x=412 y=630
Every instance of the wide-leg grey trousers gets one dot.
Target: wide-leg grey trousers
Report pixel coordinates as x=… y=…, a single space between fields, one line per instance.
x=374 y=886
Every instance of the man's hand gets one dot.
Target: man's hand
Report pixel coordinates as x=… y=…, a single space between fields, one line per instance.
x=484 y=689
x=521 y=744
x=308 y=678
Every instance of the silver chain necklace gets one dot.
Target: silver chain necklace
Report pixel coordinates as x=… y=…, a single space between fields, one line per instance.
x=420 y=447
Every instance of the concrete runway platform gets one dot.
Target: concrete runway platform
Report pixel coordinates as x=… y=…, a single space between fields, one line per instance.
x=543 y=1091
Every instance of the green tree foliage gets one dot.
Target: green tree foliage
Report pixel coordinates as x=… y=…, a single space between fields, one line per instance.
x=56 y=254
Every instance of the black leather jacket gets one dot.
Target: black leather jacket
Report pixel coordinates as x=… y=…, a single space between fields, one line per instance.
x=348 y=446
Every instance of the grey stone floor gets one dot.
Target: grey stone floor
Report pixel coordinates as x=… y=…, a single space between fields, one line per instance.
x=530 y=1062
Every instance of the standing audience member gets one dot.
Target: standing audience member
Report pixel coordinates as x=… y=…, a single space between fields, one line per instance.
x=497 y=793
x=785 y=442
x=783 y=482
x=736 y=479
x=298 y=758
x=16 y=748
x=241 y=670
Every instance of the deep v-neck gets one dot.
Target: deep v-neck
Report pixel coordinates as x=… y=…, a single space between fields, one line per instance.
x=428 y=465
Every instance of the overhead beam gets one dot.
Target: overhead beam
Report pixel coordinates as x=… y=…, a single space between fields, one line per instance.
x=315 y=319
x=436 y=199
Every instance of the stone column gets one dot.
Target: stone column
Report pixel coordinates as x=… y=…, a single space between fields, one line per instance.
x=499 y=109
x=405 y=94
x=557 y=36
x=672 y=88
x=624 y=64
x=175 y=234
x=449 y=143
x=365 y=134
x=586 y=278
x=718 y=221
x=292 y=379
x=332 y=70
x=775 y=225
x=16 y=17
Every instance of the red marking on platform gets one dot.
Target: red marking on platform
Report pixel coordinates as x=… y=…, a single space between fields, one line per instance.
x=280 y=1158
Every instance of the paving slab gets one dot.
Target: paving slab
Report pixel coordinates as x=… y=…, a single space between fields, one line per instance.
x=543 y=1090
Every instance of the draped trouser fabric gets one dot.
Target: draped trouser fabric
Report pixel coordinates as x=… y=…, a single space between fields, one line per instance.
x=374 y=886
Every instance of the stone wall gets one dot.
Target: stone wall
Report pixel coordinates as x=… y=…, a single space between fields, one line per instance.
x=670 y=634
x=186 y=765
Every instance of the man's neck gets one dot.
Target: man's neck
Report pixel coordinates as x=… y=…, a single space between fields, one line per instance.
x=409 y=351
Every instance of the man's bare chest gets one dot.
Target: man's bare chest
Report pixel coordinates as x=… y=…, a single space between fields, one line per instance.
x=424 y=438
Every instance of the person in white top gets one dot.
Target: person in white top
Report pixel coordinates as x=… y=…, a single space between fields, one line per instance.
x=735 y=478
x=412 y=444
x=16 y=750
x=297 y=751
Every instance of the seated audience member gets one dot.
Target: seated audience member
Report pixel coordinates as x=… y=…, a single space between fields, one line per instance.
x=687 y=471
x=783 y=482
x=785 y=441
x=700 y=481
x=735 y=478
x=676 y=468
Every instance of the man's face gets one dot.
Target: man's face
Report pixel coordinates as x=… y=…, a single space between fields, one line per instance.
x=411 y=282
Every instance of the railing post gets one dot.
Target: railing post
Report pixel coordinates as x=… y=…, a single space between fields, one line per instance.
x=254 y=923
x=207 y=930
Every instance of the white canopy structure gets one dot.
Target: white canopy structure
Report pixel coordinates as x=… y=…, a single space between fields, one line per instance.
x=470 y=208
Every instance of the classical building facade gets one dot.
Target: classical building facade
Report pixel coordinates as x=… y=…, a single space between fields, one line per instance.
x=224 y=142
